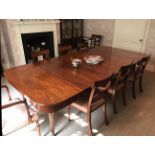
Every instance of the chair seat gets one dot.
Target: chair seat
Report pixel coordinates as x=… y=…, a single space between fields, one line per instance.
x=82 y=103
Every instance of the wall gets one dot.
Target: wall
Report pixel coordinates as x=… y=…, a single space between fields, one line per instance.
x=150 y=45
x=103 y=27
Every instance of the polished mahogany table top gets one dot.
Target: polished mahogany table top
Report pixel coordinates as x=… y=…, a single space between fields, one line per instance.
x=52 y=83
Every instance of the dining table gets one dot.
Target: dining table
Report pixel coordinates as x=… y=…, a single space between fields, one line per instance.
x=54 y=83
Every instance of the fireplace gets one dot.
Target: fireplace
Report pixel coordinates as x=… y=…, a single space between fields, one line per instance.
x=16 y=45
x=33 y=42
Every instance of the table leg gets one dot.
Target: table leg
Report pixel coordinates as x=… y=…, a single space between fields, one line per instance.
x=52 y=124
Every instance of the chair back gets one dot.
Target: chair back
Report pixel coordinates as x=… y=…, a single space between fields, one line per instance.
x=83 y=44
x=7 y=92
x=122 y=75
x=45 y=54
x=99 y=90
x=96 y=40
x=141 y=64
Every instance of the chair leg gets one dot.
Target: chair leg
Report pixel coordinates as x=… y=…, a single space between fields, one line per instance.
x=38 y=128
x=35 y=118
x=105 y=114
x=133 y=89
x=68 y=112
x=140 y=85
x=52 y=123
x=89 y=124
x=114 y=102
x=123 y=95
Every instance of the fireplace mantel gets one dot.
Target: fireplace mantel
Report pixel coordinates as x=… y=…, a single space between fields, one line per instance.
x=32 y=22
x=37 y=26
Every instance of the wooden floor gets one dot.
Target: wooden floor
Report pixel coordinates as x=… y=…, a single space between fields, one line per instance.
x=137 y=118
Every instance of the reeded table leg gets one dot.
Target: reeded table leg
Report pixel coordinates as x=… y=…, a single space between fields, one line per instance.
x=52 y=123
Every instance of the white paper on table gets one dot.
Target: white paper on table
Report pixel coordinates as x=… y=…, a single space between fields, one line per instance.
x=40 y=58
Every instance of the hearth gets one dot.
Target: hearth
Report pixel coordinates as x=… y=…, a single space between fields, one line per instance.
x=33 y=42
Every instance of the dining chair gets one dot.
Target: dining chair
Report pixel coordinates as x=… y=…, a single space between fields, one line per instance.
x=119 y=83
x=40 y=55
x=137 y=74
x=84 y=43
x=16 y=114
x=64 y=49
x=90 y=100
x=96 y=40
